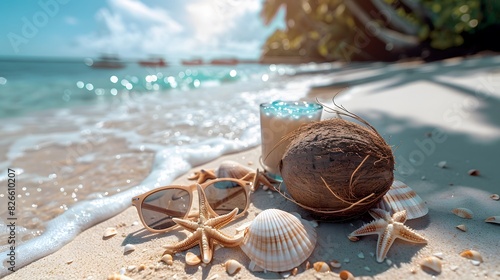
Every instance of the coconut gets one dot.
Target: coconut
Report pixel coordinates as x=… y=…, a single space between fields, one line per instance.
x=336 y=168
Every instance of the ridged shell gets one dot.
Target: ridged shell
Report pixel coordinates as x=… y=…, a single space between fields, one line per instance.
x=493 y=219
x=401 y=197
x=463 y=213
x=232 y=169
x=433 y=263
x=278 y=241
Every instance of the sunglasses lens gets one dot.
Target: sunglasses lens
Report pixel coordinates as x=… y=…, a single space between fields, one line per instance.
x=160 y=207
x=224 y=196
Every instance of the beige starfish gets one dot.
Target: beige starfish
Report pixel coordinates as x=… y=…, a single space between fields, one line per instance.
x=203 y=175
x=262 y=178
x=205 y=231
x=388 y=229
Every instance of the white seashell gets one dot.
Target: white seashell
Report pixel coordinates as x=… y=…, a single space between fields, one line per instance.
x=117 y=276
x=440 y=255
x=433 y=263
x=463 y=213
x=401 y=197
x=335 y=264
x=131 y=268
x=321 y=267
x=361 y=255
x=346 y=275
x=472 y=255
x=192 y=258
x=129 y=248
x=493 y=219
x=109 y=232
x=232 y=169
x=462 y=227
x=442 y=164
x=168 y=259
x=278 y=241
x=495 y=196
x=232 y=266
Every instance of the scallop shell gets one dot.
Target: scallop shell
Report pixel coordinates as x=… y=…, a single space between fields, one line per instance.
x=278 y=241
x=463 y=213
x=433 y=263
x=321 y=267
x=232 y=266
x=232 y=169
x=493 y=219
x=472 y=255
x=401 y=197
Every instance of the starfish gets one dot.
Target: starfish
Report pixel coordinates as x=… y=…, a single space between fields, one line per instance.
x=203 y=175
x=259 y=178
x=205 y=232
x=388 y=229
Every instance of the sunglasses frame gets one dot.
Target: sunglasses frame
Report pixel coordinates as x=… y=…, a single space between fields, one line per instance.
x=137 y=201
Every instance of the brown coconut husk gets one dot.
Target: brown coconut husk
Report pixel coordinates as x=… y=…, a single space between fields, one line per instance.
x=335 y=168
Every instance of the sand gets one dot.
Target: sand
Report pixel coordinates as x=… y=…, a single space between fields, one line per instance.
x=428 y=116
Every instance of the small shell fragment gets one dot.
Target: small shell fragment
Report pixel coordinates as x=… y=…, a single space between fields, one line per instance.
x=361 y=255
x=495 y=196
x=109 y=232
x=442 y=164
x=463 y=213
x=294 y=271
x=116 y=276
x=232 y=266
x=472 y=255
x=473 y=172
x=335 y=264
x=346 y=275
x=433 y=263
x=167 y=259
x=129 y=248
x=462 y=227
x=493 y=219
x=321 y=267
x=192 y=258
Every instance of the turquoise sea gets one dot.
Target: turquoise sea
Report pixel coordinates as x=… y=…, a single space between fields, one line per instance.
x=83 y=141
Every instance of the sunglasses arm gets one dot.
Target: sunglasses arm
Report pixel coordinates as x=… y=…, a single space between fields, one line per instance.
x=162 y=210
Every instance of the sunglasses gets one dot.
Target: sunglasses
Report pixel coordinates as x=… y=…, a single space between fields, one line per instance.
x=157 y=207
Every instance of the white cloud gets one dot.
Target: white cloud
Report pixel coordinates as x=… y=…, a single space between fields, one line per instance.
x=210 y=28
x=130 y=28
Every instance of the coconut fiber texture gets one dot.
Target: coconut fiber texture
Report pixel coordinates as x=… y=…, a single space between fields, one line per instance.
x=336 y=168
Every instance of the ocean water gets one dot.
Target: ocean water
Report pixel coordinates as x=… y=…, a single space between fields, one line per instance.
x=83 y=141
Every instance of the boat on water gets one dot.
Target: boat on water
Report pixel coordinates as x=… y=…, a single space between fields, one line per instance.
x=153 y=62
x=107 y=62
x=224 y=61
x=196 y=61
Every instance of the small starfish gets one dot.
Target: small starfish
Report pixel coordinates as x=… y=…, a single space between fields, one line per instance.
x=262 y=178
x=203 y=175
x=388 y=229
x=205 y=231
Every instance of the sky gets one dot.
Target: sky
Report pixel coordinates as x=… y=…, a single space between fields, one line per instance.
x=175 y=29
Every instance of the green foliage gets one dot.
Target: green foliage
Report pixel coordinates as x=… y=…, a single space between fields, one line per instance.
x=328 y=30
